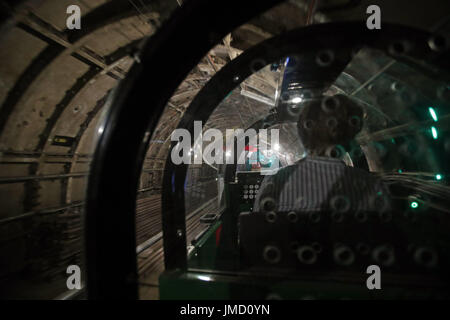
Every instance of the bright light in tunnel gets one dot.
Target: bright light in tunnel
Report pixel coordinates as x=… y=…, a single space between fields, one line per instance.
x=287 y=61
x=228 y=153
x=414 y=204
x=434 y=132
x=433 y=114
x=438 y=177
x=276 y=147
x=204 y=278
x=297 y=100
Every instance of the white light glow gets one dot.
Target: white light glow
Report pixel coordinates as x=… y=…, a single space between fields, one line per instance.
x=433 y=114
x=204 y=278
x=297 y=100
x=434 y=132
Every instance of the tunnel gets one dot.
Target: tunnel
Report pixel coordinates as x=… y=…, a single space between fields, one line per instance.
x=229 y=150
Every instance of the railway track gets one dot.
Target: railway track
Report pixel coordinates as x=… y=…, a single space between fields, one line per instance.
x=150 y=251
x=151 y=254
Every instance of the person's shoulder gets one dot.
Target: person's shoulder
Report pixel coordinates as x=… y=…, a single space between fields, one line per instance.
x=288 y=169
x=323 y=160
x=309 y=161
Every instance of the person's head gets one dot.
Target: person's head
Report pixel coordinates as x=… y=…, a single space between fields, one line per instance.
x=329 y=122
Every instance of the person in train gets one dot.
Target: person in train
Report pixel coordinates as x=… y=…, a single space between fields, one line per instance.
x=322 y=181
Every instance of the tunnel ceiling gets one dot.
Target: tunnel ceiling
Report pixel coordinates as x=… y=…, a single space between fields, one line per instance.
x=55 y=83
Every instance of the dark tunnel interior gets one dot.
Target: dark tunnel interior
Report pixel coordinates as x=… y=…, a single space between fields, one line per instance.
x=195 y=150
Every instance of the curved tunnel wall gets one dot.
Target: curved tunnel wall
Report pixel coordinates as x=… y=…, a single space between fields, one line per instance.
x=55 y=82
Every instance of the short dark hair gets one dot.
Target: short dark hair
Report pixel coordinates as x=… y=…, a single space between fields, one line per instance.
x=330 y=121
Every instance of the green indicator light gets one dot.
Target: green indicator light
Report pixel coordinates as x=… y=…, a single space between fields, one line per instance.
x=438 y=177
x=414 y=204
x=400 y=170
x=433 y=114
x=434 y=132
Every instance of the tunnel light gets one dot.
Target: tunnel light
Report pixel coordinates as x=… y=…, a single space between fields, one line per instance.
x=204 y=278
x=433 y=114
x=297 y=100
x=414 y=204
x=438 y=177
x=228 y=153
x=276 y=147
x=434 y=132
